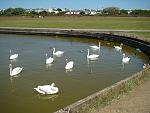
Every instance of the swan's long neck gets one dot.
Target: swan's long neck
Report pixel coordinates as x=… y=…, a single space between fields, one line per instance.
x=88 y=53
x=10 y=52
x=10 y=70
x=123 y=56
x=53 y=50
x=46 y=55
x=66 y=61
x=99 y=44
x=120 y=45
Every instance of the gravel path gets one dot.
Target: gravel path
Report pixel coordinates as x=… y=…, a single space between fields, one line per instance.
x=136 y=101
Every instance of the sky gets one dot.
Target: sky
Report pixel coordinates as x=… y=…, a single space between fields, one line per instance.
x=76 y=4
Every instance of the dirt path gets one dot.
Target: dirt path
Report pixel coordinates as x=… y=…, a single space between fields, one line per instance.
x=136 y=101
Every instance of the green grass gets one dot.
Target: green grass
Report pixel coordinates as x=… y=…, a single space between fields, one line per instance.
x=80 y=22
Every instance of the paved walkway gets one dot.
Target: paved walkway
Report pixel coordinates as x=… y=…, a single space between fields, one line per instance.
x=94 y=30
x=136 y=101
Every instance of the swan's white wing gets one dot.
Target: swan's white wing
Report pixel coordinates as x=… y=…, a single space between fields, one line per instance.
x=94 y=47
x=14 y=56
x=38 y=90
x=117 y=47
x=17 y=70
x=58 y=52
x=49 y=60
x=93 y=56
x=126 y=60
x=69 y=65
x=48 y=89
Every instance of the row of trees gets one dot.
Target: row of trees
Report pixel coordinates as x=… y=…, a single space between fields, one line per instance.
x=117 y=11
x=113 y=11
x=24 y=12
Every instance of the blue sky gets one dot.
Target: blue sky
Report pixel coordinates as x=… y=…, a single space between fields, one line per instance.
x=76 y=4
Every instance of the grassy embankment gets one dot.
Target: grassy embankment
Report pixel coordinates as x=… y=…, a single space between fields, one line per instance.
x=80 y=22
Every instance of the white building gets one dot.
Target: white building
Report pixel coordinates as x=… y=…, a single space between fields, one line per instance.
x=73 y=12
x=53 y=10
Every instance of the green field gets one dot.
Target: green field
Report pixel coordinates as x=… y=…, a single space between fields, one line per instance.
x=80 y=22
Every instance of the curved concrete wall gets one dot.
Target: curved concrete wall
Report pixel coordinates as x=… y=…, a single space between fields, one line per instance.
x=117 y=87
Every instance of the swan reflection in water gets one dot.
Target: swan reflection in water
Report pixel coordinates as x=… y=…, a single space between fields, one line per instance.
x=47 y=97
x=123 y=65
x=12 y=78
x=48 y=66
x=89 y=61
x=14 y=60
x=69 y=70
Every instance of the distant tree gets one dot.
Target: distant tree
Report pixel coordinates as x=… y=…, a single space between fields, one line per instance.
x=33 y=13
x=59 y=10
x=123 y=12
x=139 y=12
x=18 y=11
x=44 y=13
x=111 y=10
x=82 y=13
x=8 y=12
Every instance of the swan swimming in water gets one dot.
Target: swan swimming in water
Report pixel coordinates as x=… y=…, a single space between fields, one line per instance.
x=57 y=53
x=118 y=48
x=13 y=56
x=96 y=47
x=69 y=65
x=125 y=59
x=92 y=56
x=15 y=71
x=47 y=89
x=145 y=65
x=49 y=60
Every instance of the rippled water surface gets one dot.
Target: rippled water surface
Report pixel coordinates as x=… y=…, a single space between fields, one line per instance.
x=17 y=94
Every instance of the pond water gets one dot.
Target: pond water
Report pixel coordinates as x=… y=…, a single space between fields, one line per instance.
x=17 y=94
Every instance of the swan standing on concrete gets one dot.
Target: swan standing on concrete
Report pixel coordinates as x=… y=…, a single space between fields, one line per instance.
x=125 y=59
x=47 y=89
x=92 y=56
x=96 y=47
x=13 y=56
x=15 y=71
x=57 y=53
x=118 y=48
x=49 y=60
x=69 y=65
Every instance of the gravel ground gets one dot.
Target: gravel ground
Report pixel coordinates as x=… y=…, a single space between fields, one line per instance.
x=136 y=101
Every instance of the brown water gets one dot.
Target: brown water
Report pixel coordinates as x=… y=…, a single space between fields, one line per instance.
x=17 y=94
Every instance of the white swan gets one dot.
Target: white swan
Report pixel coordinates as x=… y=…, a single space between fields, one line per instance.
x=69 y=65
x=14 y=56
x=47 y=89
x=92 y=56
x=125 y=59
x=15 y=71
x=49 y=60
x=96 y=47
x=145 y=65
x=57 y=53
x=118 y=48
